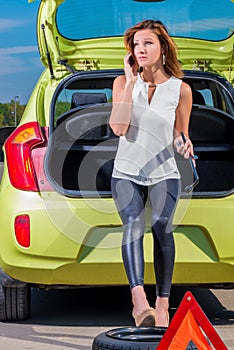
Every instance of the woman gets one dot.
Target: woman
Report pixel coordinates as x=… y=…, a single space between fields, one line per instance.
x=151 y=107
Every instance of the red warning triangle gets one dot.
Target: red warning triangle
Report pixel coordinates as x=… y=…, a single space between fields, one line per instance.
x=190 y=324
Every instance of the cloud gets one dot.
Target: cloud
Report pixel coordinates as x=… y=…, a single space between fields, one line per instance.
x=11 y=65
x=203 y=25
x=17 y=59
x=9 y=24
x=17 y=50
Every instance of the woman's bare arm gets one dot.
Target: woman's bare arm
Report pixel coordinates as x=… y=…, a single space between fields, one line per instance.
x=122 y=100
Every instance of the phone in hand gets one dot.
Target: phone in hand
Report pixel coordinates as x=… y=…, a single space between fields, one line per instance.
x=131 y=61
x=189 y=188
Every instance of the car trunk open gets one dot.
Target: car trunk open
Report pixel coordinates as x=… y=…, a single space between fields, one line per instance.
x=82 y=147
x=73 y=39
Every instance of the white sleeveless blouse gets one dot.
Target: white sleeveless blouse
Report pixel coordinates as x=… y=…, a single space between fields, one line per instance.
x=145 y=154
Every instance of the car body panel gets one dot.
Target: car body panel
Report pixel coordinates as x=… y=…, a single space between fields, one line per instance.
x=88 y=252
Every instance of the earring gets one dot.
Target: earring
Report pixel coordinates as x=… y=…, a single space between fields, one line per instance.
x=163 y=59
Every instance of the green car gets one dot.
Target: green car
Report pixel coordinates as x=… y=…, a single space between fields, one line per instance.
x=59 y=225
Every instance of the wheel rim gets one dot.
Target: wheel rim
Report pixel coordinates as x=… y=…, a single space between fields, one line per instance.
x=150 y=334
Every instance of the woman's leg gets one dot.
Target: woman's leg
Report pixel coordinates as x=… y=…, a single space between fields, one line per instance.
x=130 y=201
x=163 y=197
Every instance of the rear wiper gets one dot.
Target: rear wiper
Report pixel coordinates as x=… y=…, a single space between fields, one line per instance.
x=69 y=68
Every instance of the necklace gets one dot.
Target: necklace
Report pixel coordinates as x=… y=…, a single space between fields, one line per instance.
x=148 y=82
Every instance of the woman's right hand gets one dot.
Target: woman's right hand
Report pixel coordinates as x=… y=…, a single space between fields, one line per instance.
x=122 y=98
x=130 y=70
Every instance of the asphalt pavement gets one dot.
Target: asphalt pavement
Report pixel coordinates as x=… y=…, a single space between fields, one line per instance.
x=70 y=319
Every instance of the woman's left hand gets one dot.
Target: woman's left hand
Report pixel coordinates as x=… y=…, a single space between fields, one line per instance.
x=185 y=149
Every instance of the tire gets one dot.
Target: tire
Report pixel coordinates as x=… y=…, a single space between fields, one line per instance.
x=129 y=338
x=15 y=303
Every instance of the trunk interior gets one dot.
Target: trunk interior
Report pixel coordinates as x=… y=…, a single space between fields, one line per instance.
x=82 y=147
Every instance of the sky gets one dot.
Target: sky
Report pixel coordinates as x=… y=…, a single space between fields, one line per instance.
x=20 y=65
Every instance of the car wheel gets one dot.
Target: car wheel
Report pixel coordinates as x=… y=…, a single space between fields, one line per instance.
x=129 y=338
x=15 y=303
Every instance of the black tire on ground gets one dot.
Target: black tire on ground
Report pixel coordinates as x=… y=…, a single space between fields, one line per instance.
x=15 y=303
x=129 y=338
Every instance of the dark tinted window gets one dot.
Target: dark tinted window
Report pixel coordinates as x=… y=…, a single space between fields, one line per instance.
x=211 y=94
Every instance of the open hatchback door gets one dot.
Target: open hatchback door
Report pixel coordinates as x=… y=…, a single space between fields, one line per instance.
x=80 y=35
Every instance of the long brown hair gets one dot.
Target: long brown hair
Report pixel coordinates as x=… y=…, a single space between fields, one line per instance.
x=172 y=65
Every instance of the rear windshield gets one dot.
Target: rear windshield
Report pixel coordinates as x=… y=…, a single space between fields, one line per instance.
x=82 y=19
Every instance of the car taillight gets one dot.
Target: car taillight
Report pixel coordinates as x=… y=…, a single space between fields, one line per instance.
x=18 y=148
x=22 y=230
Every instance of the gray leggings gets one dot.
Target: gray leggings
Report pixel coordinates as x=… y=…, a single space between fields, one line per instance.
x=130 y=199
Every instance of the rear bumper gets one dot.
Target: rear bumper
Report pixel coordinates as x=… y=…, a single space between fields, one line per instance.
x=78 y=242
x=109 y=274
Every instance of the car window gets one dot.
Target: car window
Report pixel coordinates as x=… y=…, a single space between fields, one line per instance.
x=207 y=96
x=65 y=100
x=225 y=103
x=211 y=94
x=206 y=92
x=194 y=18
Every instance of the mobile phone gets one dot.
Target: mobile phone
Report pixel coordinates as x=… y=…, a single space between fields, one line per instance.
x=131 y=61
x=189 y=188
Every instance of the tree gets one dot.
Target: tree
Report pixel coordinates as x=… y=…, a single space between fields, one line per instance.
x=1 y=119
x=7 y=113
